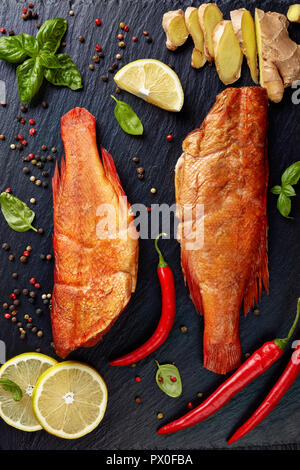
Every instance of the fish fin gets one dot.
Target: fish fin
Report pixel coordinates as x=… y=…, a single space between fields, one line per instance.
x=259 y=276
x=111 y=172
x=193 y=284
x=55 y=184
x=222 y=358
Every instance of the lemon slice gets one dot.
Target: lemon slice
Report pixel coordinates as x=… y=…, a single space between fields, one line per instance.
x=153 y=81
x=24 y=370
x=70 y=400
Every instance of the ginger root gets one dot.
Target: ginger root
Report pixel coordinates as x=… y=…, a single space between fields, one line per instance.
x=175 y=29
x=227 y=52
x=194 y=28
x=279 y=56
x=293 y=13
x=209 y=17
x=244 y=29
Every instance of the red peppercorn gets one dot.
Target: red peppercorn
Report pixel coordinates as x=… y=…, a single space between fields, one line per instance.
x=37 y=285
x=2 y=30
x=24 y=142
x=26 y=253
x=32 y=280
x=20 y=137
x=97 y=21
x=32 y=131
x=135 y=39
x=169 y=138
x=173 y=379
x=13 y=296
x=30 y=156
x=24 y=10
x=31 y=122
x=126 y=28
x=98 y=48
x=190 y=405
x=8 y=190
x=120 y=37
x=7 y=316
x=29 y=320
x=138 y=379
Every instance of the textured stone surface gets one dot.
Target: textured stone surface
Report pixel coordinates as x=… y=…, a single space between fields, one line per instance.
x=128 y=425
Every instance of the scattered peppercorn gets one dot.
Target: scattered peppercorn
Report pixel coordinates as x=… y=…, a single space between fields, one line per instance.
x=138 y=379
x=42 y=256
x=120 y=37
x=23 y=259
x=25 y=291
x=145 y=33
x=138 y=400
x=256 y=311
x=3 y=30
x=44 y=104
x=96 y=59
x=121 y=44
x=104 y=78
x=140 y=170
x=149 y=40
x=23 y=108
x=98 y=48
x=97 y=22
x=118 y=57
x=183 y=329
x=49 y=257
x=45 y=184
x=71 y=13
x=15 y=275
x=2 y=137
x=11 y=257
x=81 y=38
x=32 y=294
x=11 y=32
x=126 y=28
x=136 y=159
x=41 y=231
x=91 y=67
x=160 y=415
x=134 y=39
x=5 y=246
x=32 y=131
x=39 y=311
x=12 y=146
x=44 y=147
x=190 y=405
x=153 y=190
x=40 y=334
x=38 y=182
x=50 y=158
x=122 y=25
x=141 y=176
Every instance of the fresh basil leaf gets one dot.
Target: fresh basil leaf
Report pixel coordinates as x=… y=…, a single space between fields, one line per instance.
x=284 y=205
x=168 y=379
x=12 y=387
x=288 y=190
x=30 y=78
x=49 y=60
x=127 y=118
x=67 y=75
x=276 y=190
x=11 y=49
x=29 y=44
x=16 y=213
x=51 y=33
x=291 y=174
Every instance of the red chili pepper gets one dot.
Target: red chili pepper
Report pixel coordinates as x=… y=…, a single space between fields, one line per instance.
x=166 y=321
x=256 y=365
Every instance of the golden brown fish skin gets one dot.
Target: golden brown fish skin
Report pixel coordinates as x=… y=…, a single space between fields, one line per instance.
x=93 y=278
x=224 y=167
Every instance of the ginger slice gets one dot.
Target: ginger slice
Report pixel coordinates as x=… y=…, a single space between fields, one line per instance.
x=175 y=29
x=194 y=28
x=209 y=16
x=227 y=52
x=244 y=29
x=293 y=13
x=279 y=56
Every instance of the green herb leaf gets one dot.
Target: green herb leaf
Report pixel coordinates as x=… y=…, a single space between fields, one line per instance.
x=168 y=379
x=51 y=33
x=49 y=60
x=30 y=78
x=284 y=205
x=276 y=190
x=127 y=118
x=288 y=190
x=12 y=387
x=16 y=213
x=67 y=75
x=291 y=174
x=15 y=49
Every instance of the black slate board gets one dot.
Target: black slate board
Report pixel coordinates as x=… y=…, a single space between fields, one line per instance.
x=127 y=425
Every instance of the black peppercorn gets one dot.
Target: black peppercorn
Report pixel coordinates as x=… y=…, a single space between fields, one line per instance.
x=23 y=109
x=25 y=291
x=39 y=311
x=5 y=246
x=44 y=104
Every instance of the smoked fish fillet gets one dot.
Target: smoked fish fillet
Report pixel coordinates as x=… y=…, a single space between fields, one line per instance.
x=94 y=275
x=224 y=167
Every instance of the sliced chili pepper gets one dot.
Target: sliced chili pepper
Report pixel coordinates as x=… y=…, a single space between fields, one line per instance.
x=285 y=382
x=256 y=365
x=166 y=321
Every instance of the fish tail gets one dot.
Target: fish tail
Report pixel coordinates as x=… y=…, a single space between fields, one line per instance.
x=221 y=358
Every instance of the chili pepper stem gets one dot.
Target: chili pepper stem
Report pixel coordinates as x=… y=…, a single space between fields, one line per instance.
x=162 y=262
x=282 y=342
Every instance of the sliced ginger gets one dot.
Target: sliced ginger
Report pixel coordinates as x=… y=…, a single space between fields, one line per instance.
x=293 y=13
x=279 y=56
x=227 y=52
x=244 y=29
x=194 y=28
x=175 y=29
x=209 y=17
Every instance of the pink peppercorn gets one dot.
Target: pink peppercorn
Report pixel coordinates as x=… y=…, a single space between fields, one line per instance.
x=26 y=253
x=2 y=30
x=30 y=156
x=7 y=316
x=37 y=285
x=173 y=378
x=31 y=122
x=120 y=37
x=98 y=21
x=138 y=379
x=24 y=142
x=190 y=405
x=24 y=10
x=32 y=280
x=13 y=296
x=98 y=48
x=169 y=138
x=29 y=320
x=8 y=190
x=20 y=137
x=32 y=131
x=135 y=39
x=126 y=28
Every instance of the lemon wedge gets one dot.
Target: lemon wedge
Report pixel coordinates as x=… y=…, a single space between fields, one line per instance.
x=70 y=400
x=153 y=81
x=24 y=370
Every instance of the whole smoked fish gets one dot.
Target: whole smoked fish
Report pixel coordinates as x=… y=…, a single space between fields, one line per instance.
x=224 y=168
x=94 y=275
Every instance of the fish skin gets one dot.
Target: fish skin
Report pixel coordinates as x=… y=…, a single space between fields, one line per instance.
x=93 y=278
x=224 y=167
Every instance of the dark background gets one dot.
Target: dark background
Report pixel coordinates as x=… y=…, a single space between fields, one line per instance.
x=128 y=425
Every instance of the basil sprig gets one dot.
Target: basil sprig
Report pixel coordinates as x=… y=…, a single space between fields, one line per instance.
x=58 y=69
x=16 y=213
x=127 y=118
x=289 y=178
x=168 y=379
x=12 y=387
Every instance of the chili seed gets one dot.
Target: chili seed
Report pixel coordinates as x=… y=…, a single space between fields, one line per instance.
x=190 y=405
x=98 y=48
